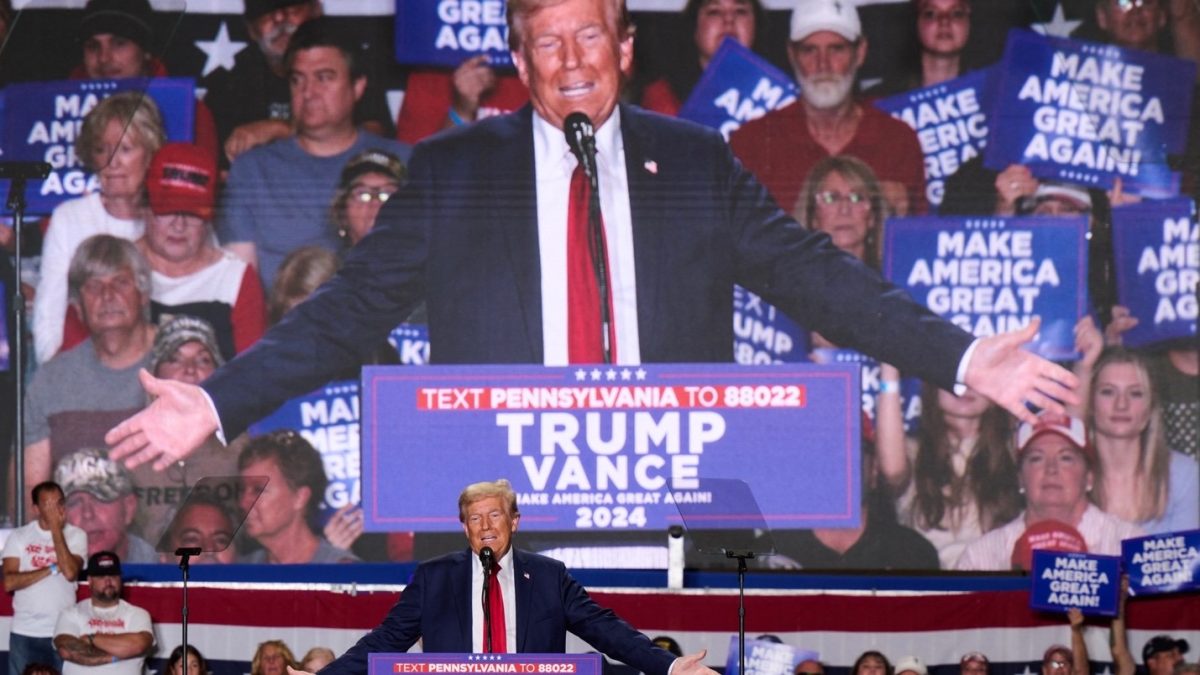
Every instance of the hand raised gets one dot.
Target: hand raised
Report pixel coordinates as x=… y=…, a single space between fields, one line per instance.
x=1018 y=380
x=178 y=420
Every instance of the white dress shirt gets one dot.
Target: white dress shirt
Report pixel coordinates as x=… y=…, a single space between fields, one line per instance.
x=554 y=165
x=508 y=590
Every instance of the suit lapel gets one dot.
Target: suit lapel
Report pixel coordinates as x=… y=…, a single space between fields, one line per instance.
x=523 y=583
x=461 y=598
x=645 y=213
x=516 y=196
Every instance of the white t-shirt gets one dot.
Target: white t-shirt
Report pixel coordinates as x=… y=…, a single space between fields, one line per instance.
x=85 y=618
x=36 y=607
x=993 y=551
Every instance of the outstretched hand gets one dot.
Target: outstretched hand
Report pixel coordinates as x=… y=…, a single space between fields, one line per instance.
x=297 y=671
x=692 y=664
x=1018 y=380
x=177 y=421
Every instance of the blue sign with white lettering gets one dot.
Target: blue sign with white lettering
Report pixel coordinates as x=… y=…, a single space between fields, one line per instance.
x=764 y=657
x=611 y=447
x=44 y=126
x=479 y=664
x=1162 y=563
x=1089 y=113
x=910 y=387
x=329 y=419
x=994 y=275
x=1156 y=246
x=447 y=32
x=951 y=124
x=736 y=87
x=1062 y=581
x=411 y=341
x=763 y=334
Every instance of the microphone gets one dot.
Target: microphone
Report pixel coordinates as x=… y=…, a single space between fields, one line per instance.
x=10 y=170
x=486 y=557
x=581 y=138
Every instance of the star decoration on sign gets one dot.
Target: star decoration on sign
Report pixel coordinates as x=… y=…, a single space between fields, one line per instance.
x=219 y=51
x=1058 y=25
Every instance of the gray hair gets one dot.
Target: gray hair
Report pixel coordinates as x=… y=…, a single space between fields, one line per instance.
x=103 y=254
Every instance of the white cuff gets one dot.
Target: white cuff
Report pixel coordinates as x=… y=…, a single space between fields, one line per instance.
x=212 y=407
x=960 y=377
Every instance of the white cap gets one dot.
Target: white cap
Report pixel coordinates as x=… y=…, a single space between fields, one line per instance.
x=1067 y=191
x=838 y=16
x=910 y=663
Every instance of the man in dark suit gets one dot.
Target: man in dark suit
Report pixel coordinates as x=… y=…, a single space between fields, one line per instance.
x=442 y=604
x=479 y=234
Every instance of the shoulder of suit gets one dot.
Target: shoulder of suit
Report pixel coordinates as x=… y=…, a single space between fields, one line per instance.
x=659 y=126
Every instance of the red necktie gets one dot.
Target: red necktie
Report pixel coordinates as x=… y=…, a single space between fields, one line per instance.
x=496 y=610
x=584 y=341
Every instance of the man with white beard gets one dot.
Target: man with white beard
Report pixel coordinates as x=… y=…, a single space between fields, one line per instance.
x=826 y=49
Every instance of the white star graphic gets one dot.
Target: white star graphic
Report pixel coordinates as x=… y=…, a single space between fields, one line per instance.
x=610 y=375
x=625 y=374
x=580 y=375
x=219 y=51
x=595 y=374
x=640 y=373
x=1058 y=25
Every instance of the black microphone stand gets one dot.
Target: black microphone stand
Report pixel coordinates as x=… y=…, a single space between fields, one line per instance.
x=742 y=556
x=185 y=553
x=16 y=204
x=599 y=256
x=486 y=560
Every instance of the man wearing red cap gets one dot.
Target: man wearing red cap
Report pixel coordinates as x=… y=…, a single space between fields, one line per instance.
x=1055 y=464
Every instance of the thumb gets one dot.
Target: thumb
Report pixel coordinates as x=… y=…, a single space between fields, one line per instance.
x=150 y=383
x=1023 y=335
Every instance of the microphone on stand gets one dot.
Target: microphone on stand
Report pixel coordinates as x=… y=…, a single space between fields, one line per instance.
x=581 y=138
x=487 y=559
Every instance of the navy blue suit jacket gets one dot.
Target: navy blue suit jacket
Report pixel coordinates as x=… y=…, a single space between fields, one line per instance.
x=462 y=236
x=436 y=606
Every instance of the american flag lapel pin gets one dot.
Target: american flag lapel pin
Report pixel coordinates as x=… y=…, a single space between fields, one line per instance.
x=651 y=166
x=526 y=575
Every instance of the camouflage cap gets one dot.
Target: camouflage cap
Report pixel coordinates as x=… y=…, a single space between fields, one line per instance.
x=90 y=470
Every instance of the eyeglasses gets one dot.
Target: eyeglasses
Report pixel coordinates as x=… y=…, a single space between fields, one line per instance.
x=1127 y=5
x=1056 y=664
x=833 y=197
x=368 y=194
x=955 y=15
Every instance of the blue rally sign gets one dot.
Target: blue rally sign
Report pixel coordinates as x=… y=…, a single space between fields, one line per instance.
x=991 y=275
x=1162 y=563
x=1062 y=581
x=411 y=342
x=910 y=387
x=1157 y=251
x=951 y=124
x=610 y=448
x=447 y=32
x=43 y=126
x=1089 y=113
x=764 y=657
x=484 y=664
x=736 y=87
x=327 y=418
x=763 y=334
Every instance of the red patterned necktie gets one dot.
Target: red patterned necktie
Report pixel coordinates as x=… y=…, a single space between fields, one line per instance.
x=496 y=610
x=584 y=341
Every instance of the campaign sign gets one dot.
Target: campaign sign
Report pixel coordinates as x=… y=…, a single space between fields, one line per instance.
x=910 y=387
x=327 y=418
x=1089 y=113
x=951 y=124
x=991 y=275
x=447 y=32
x=411 y=342
x=763 y=334
x=1157 y=251
x=43 y=128
x=1162 y=563
x=736 y=87
x=611 y=447
x=764 y=657
x=484 y=664
x=1092 y=583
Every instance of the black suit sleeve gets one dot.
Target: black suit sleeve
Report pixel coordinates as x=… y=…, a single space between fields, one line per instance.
x=607 y=632
x=399 y=631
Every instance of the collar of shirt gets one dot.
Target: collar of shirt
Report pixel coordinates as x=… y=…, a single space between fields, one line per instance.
x=553 y=157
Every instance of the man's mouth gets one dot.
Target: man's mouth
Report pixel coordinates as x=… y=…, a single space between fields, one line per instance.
x=576 y=90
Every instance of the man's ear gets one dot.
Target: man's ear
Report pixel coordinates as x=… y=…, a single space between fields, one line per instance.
x=360 y=87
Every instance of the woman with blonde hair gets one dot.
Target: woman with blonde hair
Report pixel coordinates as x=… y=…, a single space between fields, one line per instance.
x=117 y=141
x=1138 y=478
x=273 y=657
x=842 y=197
x=302 y=272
